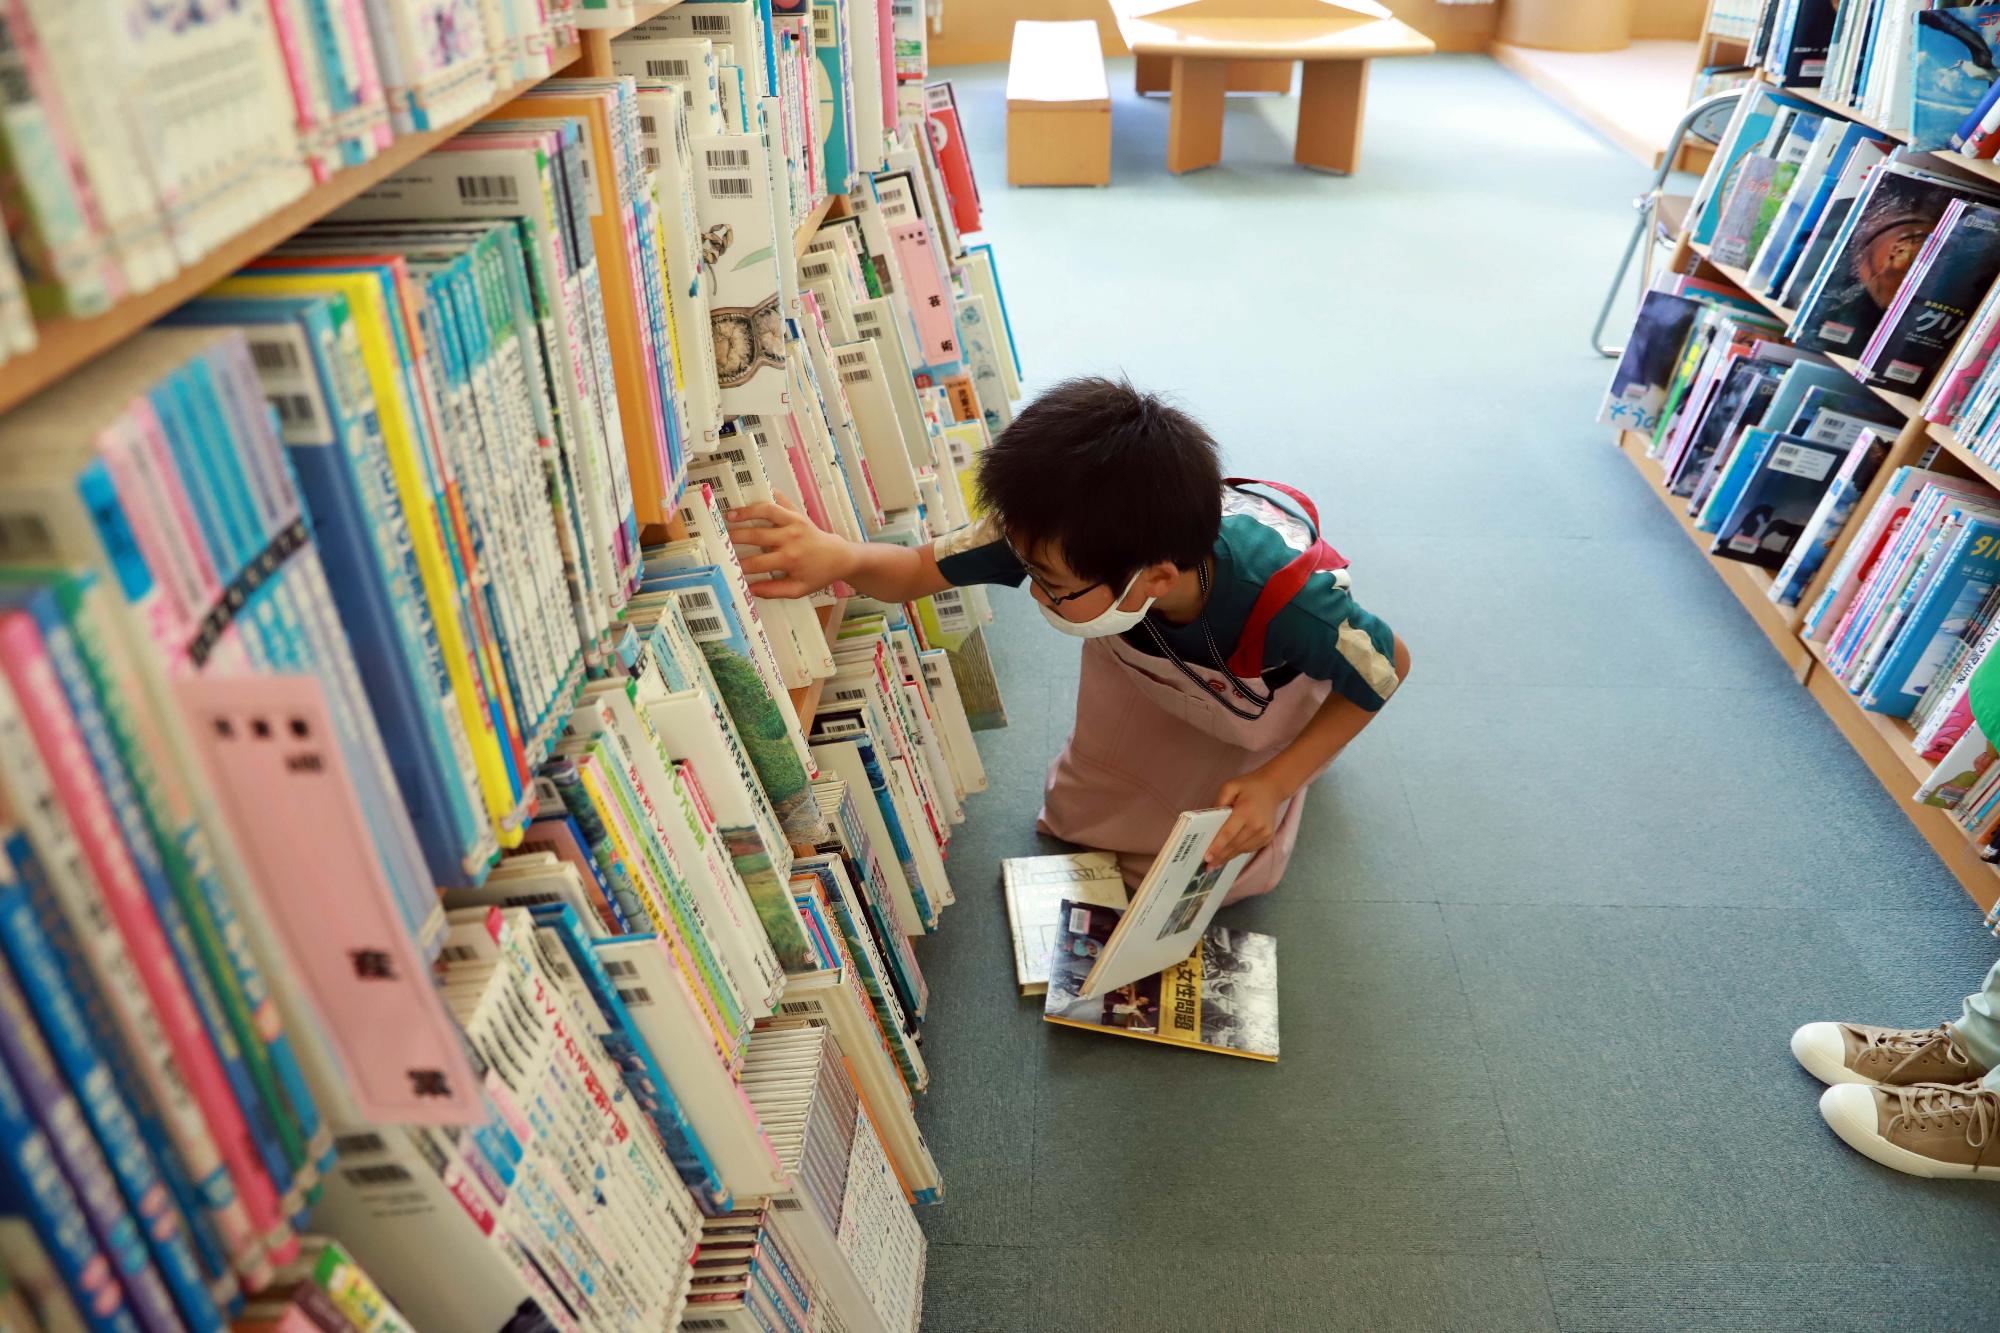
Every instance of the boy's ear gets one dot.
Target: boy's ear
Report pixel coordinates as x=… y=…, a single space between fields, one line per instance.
x=1158 y=580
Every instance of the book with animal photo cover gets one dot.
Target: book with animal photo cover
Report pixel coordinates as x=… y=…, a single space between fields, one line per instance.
x=1222 y=997
x=1037 y=888
x=1896 y=212
x=1957 y=58
x=1172 y=907
x=1936 y=300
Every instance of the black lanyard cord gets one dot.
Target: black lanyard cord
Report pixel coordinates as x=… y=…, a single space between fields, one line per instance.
x=1259 y=702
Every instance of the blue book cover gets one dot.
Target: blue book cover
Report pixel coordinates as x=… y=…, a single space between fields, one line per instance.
x=1969 y=572
x=1776 y=503
x=32 y=1186
x=1751 y=127
x=1836 y=415
x=26 y=1059
x=1802 y=216
x=1747 y=386
x=45 y=920
x=57 y=1016
x=635 y=1059
x=1836 y=507
x=275 y=1130
x=388 y=624
x=1735 y=475
x=1956 y=60
x=834 y=93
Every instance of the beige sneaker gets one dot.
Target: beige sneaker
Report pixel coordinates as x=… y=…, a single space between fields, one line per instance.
x=1929 y=1130
x=1894 y=1057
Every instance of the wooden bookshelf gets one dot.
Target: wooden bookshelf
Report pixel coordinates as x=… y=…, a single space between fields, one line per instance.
x=1885 y=744
x=1750 y=583
x=63 y=345
x=805 y=699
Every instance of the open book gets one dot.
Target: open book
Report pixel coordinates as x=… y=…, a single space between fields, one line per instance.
x=1223 y=997
x=1036 y=887
x=1172 y=908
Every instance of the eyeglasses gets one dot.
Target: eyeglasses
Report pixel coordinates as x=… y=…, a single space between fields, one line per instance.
x=1055 y=600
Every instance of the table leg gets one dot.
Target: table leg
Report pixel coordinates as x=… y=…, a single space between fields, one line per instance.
x=1194 y=122
x=1330 y=101
x=1152 y=74
x=1260 y=76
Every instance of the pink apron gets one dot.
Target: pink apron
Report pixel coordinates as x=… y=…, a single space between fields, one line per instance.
x=1147 y=744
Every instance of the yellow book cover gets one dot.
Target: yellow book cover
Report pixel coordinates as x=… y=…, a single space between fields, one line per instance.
x=382 y=363
x=1223 y=998
x=640 y=411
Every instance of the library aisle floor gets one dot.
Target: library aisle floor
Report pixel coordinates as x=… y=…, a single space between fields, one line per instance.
x=1552 y=919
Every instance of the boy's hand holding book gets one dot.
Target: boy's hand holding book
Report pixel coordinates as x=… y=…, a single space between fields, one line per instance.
x=1253 y=801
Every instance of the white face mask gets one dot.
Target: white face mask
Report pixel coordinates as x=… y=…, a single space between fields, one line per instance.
x=1105 y=623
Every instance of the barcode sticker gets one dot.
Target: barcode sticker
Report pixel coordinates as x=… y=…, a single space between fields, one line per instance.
x=457 y=953
x=297 y=412
x=275 y=356
x=619 y=967
x=854 y=358
x=357 y=1144
x=637 y=995
x=388 y=1173
x=856 y=375
x=696 y=599
x=708 y=22
x=729 y=159
x=785 y=1203
x=707 y=627
x=730 y=187
x=1811 y=464
x=895 y=208
x=488 y=190
x=703 y=1325
x=667 y=69
x=1079 y=921
x=800 y=1008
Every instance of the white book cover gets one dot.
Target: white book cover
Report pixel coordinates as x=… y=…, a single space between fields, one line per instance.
x=889 y=457
x=877 y=320
x=740 y=272
x=953 y=726
x=843 y=761
x=669 y=1019
x=1172 y=908
x=686 y=62
x=1035 y=888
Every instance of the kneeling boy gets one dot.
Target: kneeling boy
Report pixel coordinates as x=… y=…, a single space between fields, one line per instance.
x=1225 y=661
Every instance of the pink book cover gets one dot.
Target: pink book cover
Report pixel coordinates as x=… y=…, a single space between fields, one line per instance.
x=1954 y=727
x=269 y=748
x=313 y=143
x=802 y=473
x=26 y=661
x=1946 y=401
x=368 y=75
x=930 y=305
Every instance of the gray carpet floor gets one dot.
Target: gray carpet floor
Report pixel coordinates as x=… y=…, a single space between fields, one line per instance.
x=1553 y=917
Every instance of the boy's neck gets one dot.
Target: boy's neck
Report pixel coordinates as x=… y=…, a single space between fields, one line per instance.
x=1181 y=604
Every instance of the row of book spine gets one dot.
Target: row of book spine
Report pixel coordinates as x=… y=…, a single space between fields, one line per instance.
x=410 y=835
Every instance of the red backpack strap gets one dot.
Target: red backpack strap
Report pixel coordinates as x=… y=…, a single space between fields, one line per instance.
x=1246 y=662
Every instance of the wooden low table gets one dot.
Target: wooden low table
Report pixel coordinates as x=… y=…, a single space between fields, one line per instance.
x=1204 y=40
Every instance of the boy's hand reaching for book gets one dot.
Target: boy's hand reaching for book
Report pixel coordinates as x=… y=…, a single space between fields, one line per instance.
x=1253 y=801
x=804 y=558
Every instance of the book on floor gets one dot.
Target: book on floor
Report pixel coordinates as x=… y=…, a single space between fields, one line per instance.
x=1222 y=997
x=1172 y=907
x=1035 y=888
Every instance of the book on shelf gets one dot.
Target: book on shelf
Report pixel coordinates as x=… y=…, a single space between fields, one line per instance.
x=1957 y=267
x=1957 y=59
x=338 y=580
x=1221 y=997
x=1036 y=888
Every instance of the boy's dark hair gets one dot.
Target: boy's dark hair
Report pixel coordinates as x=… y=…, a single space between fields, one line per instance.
x=1113 y=478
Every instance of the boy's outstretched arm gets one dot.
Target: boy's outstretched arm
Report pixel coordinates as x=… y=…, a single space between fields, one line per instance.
x=808 y=558
x=1255 y=797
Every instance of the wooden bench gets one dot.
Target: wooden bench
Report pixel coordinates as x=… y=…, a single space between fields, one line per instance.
x=1058 y=106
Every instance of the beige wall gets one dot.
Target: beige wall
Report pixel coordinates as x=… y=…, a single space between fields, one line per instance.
x=1674 y=20
x=980 y=31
